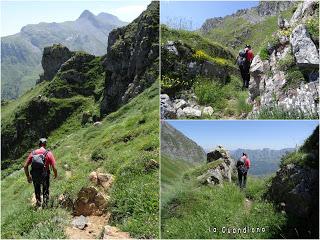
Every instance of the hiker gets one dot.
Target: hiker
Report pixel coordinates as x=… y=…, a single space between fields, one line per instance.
x=40 y=161
x=243 y=165
x=244 y=61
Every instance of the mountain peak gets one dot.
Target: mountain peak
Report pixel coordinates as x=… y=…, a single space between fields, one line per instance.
x=86 y=14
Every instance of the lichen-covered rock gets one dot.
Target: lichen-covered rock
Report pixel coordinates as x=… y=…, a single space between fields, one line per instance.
x=303 y=48
x=303 y=11
x=167 y=109
x=192 y=112
x=52 y=59
x=217 y=153
x=220 y=167
x=131 y=63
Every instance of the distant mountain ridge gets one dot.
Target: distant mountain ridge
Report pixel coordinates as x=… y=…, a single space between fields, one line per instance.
x=177 y=146
x=21 y=53
x=264 y=161
x=252 y=15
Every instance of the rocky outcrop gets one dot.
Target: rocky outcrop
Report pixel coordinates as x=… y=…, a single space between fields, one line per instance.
x=52 y=59
x=131 y=63
x=303 y=48
x=101 y=179
x=90 y=201
x=288 y=81
x=303 y=11
x=179 y=108
x=176 y=145
x=295 y=188
x=220 y=167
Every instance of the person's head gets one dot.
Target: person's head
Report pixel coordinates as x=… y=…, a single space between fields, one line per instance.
x=248 y=46
x=244 y=154
x=42 y=142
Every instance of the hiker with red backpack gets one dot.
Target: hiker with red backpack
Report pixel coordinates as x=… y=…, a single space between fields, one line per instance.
x=244 y=61
x=243 y=166
x=40 y=160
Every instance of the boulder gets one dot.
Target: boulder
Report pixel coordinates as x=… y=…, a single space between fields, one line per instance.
x=180 y=113
x=283 y=23
x=192 y=112
x=90 y=202
x=207 y=111
x=303 y=48
x=151 y=165
x=104 y=180
x=167 y=109
x=170 y=46
x=219 y=171
x=216 y=154
x=97 y=124
x=80 y=222
x=180 y=103
x=295 y=188
x=65 y=201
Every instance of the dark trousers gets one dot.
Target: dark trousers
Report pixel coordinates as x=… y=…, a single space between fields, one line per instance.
x=242 y=178
x=43 y=183
x=245 y=75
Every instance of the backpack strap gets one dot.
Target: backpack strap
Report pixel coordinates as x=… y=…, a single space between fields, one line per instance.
x=33 y=152
x=46 y=153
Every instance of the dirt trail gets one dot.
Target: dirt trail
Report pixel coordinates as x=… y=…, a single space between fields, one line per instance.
x=247 y=204
x=97 y=229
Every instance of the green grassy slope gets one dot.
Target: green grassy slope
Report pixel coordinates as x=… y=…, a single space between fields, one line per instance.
x=123 y=145
x=194 y=210
x=171 y=176
x=227 y=100
x=236 y=32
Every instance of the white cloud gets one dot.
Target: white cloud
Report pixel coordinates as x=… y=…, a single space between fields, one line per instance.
x=128 y=13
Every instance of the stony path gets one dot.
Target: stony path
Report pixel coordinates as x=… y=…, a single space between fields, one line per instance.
x=97 y=228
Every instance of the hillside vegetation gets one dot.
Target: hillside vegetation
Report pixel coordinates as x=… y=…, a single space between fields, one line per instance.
x=21 y=53
x=123 y=145
x=202 y=73
x=197 y=209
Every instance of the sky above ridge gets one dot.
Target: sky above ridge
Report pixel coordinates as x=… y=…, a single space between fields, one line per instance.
x=246 y=134
x=194 y=13
x=16 y=14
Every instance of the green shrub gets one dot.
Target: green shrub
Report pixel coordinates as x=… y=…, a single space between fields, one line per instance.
x=312 y=25
x=294 y=78
x=242 y=104
x=210 y=93
x=275 y=112
x=264 y=55
x=286 y=62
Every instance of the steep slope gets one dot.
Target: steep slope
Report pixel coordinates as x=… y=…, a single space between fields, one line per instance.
x=179 y=154
x=285 y=75
x=176 y=145
x=132 y=60
x=124 y=146
x=295 y=189
x=263 y=161
x=247 y=26
x=206 y=204
x=21 y=53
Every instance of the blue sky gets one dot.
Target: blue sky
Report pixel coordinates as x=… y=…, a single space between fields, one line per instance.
x=16 y=14
x=246 y=134
x=198 y=11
